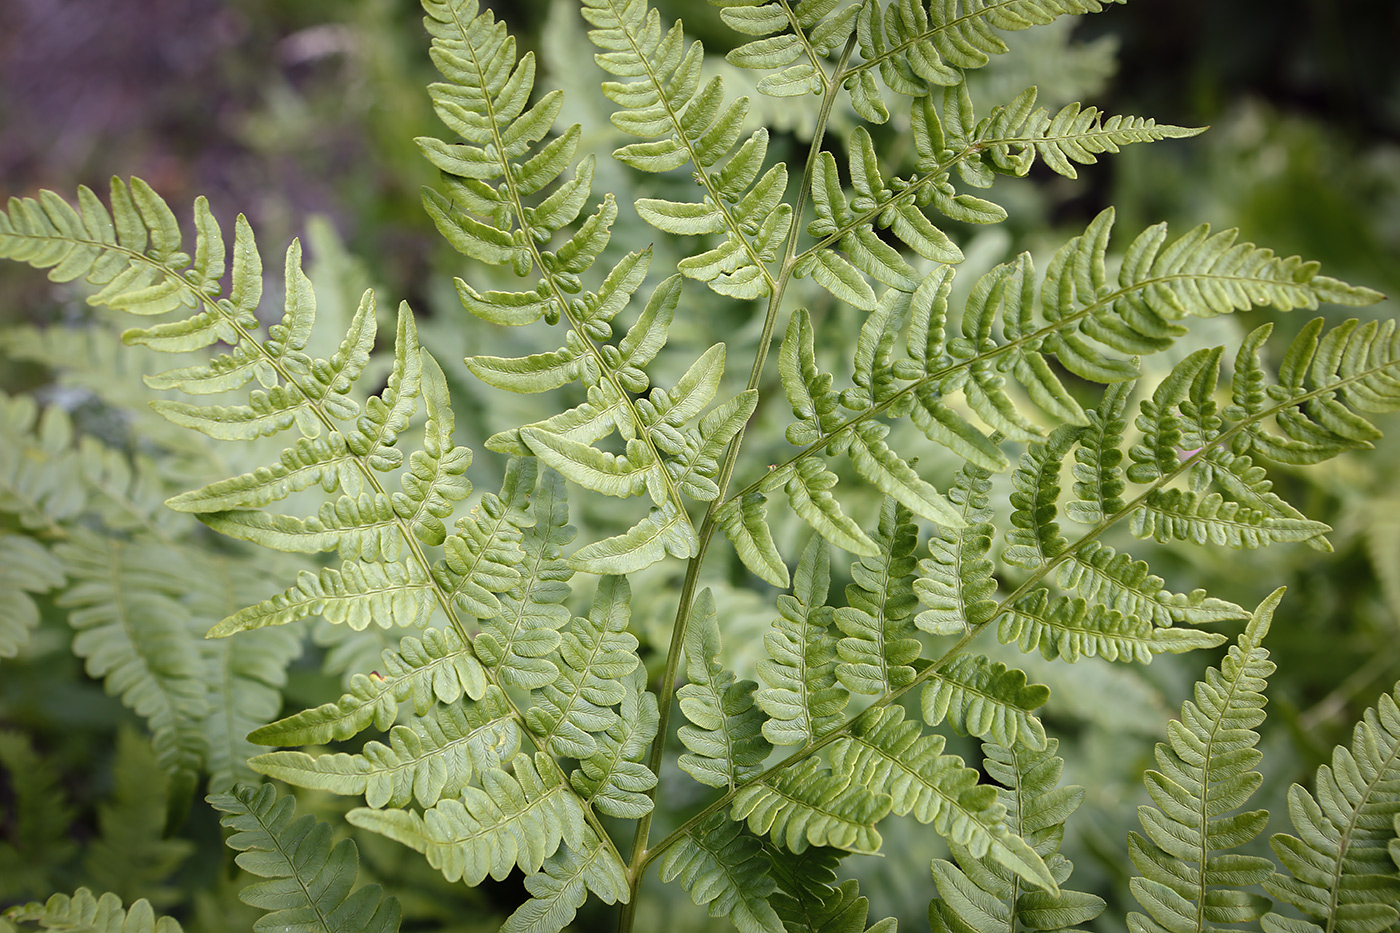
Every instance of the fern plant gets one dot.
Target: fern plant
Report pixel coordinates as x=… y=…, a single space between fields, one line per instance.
x=940 y=503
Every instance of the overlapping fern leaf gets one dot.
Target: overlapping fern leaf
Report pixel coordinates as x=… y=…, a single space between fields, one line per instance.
x=947 y=137
x=1094 y=326
x=1340 y=873
x=1191 y=880
x=683 y=123
x=978 y=896
x=914 y=47
x=489 y=179
x=308 y=880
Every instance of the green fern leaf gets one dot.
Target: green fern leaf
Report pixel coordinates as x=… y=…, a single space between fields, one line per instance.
x=595 y=655
x=25 y=567
x=1180 y=515
x=1204 y=776
x=1340 y=871
x=808 y=804
x=432 y=758
x=803 y=698
x=308 y=880
x=986 y=699
x=877 y=653
x=955 y=582
x=663 y=102
x=982 y=897
x=438 y=668
x=809 y=899
x=1071 y=628
x=482 y=559
x=133 y=634
x=725 y=738
x=516 y=818
x=913 y=47
x=84 y=913
x=613 y=780
x=563 y=884
x=356 y=594
x=517 y=644
x=725 y=869
x=39 y=840
x=884 y=751
x=745 y=522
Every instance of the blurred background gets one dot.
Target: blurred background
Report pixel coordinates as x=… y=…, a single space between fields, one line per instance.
x=288 y=112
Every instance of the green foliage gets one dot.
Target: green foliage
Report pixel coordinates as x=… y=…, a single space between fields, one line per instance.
x=987 y=447
x=309 y=880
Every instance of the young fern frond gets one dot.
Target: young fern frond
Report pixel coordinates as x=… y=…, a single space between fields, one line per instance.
x=1190 y=879
x=308 y=879
x=977 y=897
x=1341 y=875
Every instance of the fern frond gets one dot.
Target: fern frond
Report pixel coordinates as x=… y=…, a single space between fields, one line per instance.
x=132 y=855
x=1072 y=628
x=883 y=750
x=1326 y=382
x=977 y=897
x=433 y=757
x=809 y=804
x=86 y=913
x=518 y=642
x=663 y=102
x=986 y=699
x=803 y=698
x=1340 y=873
x=809 y=899
x=39 y=838
x=515 y=818
x=955 y=582
x=914 y=48
x=308 y=880
x=39 y=466
x=725 y=737
x=563 y=884
x=26 y=567
x=613 y=780
x=438 y=668
x=725 y=869
x=877 y=653
x=1190 y=880
x=594 y=658
x=133 y=634
x=794 y=38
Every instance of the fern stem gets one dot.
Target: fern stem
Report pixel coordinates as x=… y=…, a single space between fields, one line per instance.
x=1030 y=583
x=639 y=857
